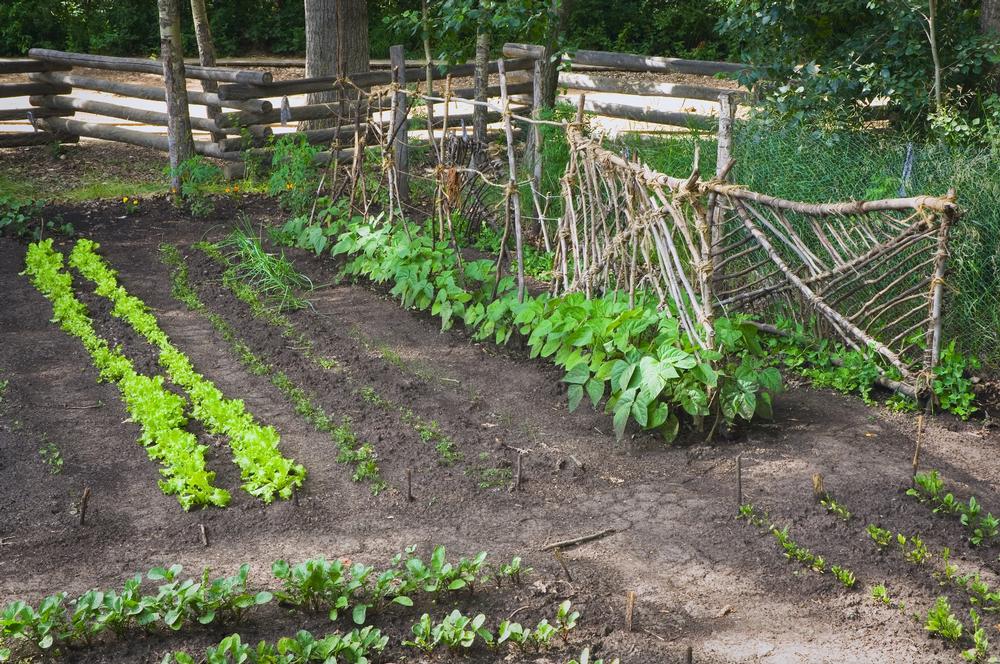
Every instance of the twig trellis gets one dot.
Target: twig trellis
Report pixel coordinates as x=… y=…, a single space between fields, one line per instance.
x=871 y=272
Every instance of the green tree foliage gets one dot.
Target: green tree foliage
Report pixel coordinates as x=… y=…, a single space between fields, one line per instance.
x=834 y=57
x=129 y=27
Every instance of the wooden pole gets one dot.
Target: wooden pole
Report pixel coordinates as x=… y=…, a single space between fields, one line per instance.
x=83 y=505
x=409 y=484
x=513 y=194
x=147 y=66
x=179 y=139
x=534 y=147
x=400 y=144
x=206 y=55
x=739 y=480
x=629 y=610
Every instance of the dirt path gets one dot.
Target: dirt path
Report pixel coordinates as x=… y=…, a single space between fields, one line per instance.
x=702 y=578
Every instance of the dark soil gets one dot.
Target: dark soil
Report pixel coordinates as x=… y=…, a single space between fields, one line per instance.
x=702 y=578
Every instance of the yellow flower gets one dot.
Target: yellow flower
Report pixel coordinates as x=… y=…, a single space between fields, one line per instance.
x=228 y=190
x=236 y=188
x=289 y=185
x=135 y=201
x=125 y=199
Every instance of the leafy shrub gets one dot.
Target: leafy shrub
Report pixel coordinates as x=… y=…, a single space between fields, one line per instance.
x=294 y=175
x=941 y=621
x=198 y=178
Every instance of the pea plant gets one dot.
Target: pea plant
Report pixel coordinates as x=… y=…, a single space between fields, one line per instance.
x=634 y=359
x=929 y=488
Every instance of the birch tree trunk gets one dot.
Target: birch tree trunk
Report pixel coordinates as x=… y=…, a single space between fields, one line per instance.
x=179 y=140
x=336 y=45
x=206 y=55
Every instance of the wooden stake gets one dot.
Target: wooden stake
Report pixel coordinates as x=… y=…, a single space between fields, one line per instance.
x=739 y=481
x=629 y=609
x=409 y=484
x=916 y=451
x=400 y=144
x=516 y=484
x=562 y=563
x=819 y=492
x=204 y=534
x=579 y=110
x=83 y=505
x=689 y=655
x=513 y=195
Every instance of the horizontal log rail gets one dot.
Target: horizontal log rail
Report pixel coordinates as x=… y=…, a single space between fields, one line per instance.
x=153 y=93
x=145 y=66
x=25 y=89
x=630 y=62
x=131 y=113
x=130 y=136
x=651 y=115
x=28 y=65
x=361 y=80
x=597 y=83
x=38 y=113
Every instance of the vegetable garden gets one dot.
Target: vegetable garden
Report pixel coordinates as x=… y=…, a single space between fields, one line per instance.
x=527 y=401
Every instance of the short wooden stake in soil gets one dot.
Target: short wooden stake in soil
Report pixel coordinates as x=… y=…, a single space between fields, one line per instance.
x=629 y=609
x=409 y=484
x=819 y=492
x=83 y=505
x=689 y=655
x=204 y=534
x=562 y=563
x=920 y=440
x=516 y=484
x=739 y=481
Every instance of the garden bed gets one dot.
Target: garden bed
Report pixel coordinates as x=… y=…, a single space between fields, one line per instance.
x=703 y=579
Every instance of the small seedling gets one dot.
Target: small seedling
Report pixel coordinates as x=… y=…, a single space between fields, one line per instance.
x=845 y=576
x=881 y=594
x=880 y=536
x=979 y=652
x=50 y=454
x=941 y=621
x=566 y=620
x=835 y=508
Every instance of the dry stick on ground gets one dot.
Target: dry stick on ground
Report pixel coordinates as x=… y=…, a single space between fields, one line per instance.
x=516 y=484
x=916 y=451
x=557 y=553
x=83 y=505
x=578 y=540
x=739 y=481
x=204 y=534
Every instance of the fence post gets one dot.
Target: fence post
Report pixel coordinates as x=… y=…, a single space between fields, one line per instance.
x=727 y=112
x=535 y=135
x=400 y=143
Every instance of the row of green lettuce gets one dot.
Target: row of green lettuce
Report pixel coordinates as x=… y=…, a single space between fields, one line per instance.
x=266 y=473
x=158 y=412
x=633 y=358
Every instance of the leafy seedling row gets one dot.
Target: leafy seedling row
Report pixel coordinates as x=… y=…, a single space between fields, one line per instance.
x=266 y=473
x=351 y=451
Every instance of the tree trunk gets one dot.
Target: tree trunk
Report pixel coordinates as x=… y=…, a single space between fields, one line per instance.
x=179 y=140
x=550 y=65
x=481 y=82
x=932 y=37
x=336 y=45
x=206 y=55
x=989 y=16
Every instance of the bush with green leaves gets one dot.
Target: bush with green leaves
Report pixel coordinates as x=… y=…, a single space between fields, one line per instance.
x=294 y=176
x=198 y=178
x=266 y=473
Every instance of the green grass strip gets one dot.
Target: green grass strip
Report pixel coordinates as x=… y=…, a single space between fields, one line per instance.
x=266 y=473
x=350 y=449
x=159 y=413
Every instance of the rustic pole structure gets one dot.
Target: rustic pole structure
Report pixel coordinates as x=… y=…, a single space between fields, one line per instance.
x=400 y=143
x=513 y=195
x=179 y=139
